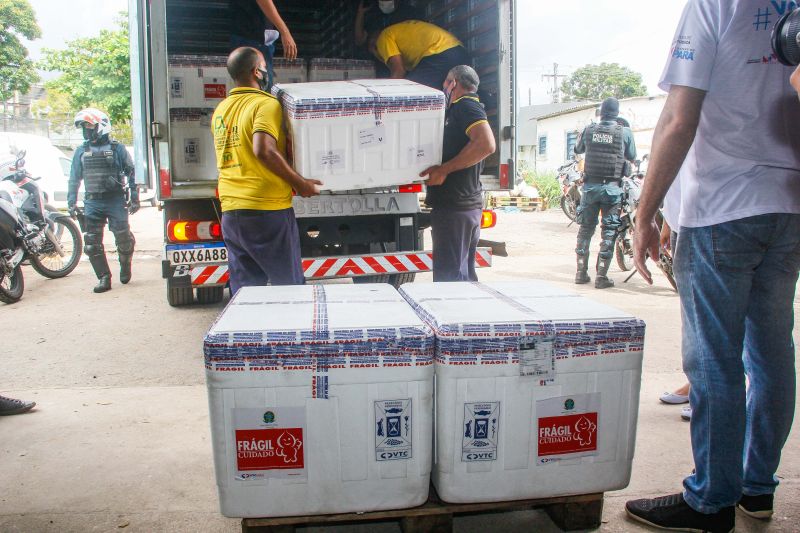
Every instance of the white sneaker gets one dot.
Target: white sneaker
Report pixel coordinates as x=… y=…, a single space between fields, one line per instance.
x=674 y=399
x=686 y=413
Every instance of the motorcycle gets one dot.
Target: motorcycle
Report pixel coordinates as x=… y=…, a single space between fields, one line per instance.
x=570 y=179
x=623 y=244
x=32 y=231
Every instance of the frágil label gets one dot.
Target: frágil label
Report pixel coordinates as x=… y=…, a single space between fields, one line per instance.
x=567 y=427
x=269 y=442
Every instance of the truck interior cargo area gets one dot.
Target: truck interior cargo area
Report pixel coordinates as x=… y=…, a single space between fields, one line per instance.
x=325 y=29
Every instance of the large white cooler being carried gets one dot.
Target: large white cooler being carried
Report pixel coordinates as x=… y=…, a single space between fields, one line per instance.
x=320 y=400
x=363 y=133
x=537 y=390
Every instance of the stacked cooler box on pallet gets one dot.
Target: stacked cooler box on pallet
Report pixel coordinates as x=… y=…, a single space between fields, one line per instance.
x=363 y=133
x=320 y=400
x=537 y=390
x=329 y=69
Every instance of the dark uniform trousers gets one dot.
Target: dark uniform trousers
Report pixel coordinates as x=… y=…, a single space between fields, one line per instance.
x=455 y=241
x=263 y=247
x=604 y=199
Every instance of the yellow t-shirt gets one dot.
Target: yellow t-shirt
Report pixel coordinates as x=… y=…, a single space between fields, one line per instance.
x=244 y=182
x=412 y=40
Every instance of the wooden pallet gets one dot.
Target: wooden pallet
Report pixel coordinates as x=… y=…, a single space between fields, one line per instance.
x=435 y=516
x=523 y=203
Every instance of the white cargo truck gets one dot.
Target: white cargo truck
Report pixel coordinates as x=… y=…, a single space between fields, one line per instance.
x=369 y=235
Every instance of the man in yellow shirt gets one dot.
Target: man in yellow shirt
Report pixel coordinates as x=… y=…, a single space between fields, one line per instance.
x=419 y=51
x=255 y=180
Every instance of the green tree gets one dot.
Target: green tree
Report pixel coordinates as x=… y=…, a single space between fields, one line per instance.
x=95 y=72
x=17 y=72
x=598 y=82
x=56 y=108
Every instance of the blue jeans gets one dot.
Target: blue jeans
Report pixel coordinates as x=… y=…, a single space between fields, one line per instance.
x=737 y=284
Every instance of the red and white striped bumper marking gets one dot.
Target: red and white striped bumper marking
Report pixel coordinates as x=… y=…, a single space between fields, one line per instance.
x=210 y=275
x=369 y=265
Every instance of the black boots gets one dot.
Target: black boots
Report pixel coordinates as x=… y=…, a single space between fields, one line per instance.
x=125 y=243
x=101 y=270
x=582 y=275
x=125 y=268
x=602 y=281
x=104 y=284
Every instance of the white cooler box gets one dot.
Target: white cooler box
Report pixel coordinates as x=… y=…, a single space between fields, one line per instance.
x=192 y=156
x=537 y=390
x=320 y=400
x=363 y=133
x=198 y=81
x=332 y=69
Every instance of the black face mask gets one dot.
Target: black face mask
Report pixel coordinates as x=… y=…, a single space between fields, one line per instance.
x=90 y=134
x=263 y=81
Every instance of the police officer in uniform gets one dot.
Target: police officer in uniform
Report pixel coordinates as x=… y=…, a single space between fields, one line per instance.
x=110 y=194
x=608 y=146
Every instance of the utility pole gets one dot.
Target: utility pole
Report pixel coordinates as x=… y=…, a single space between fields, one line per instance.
x=555 y=92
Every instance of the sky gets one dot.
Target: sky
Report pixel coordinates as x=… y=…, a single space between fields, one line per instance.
x=64 y=21
x=572 y=33
x=635 y=33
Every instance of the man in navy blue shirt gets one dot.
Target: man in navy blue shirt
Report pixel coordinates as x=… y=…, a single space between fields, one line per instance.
x=454 y=187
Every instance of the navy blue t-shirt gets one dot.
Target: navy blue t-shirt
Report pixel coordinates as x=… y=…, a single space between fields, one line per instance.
x=462 y=188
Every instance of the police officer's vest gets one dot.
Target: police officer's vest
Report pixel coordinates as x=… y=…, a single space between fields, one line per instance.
x=101 y=174
x=605 y=158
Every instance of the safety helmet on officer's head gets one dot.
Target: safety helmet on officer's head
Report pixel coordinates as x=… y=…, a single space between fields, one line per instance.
x=93 y=118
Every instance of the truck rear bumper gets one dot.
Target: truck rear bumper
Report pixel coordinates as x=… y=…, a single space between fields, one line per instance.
x=216 y=274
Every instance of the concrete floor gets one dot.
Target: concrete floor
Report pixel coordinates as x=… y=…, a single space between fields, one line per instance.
x=120 y=437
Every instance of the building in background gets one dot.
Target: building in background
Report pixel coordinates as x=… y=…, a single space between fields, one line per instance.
x=548 y=133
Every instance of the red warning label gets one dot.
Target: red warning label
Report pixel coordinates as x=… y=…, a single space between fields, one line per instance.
x=269 y=449
x=214 y=90
x=567 y=434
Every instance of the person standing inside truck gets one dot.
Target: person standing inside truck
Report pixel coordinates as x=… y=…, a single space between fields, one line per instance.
x=250 y=21
x=418 y=51
x=608 y=147
x=454 y=187
x=255 y=180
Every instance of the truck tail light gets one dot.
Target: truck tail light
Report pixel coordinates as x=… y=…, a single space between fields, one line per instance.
x=165 y=183
x=488 y=219
x=411 y=187
x=504 y=183
x=190 y=231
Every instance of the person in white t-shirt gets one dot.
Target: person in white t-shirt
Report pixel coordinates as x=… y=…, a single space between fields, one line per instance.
x=730 y=130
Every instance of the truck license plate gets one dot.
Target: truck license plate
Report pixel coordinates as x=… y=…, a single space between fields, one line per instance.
x=188 y=254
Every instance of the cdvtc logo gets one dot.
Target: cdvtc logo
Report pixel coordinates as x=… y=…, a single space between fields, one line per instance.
x=400 y=454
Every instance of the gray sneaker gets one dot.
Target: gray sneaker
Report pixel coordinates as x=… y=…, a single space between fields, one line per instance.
x=11 y=406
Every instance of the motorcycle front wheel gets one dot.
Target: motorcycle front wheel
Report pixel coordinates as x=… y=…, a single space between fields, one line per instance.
x=569 y=207
x=49 y=263
x=11 y=287
x=623 y=250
